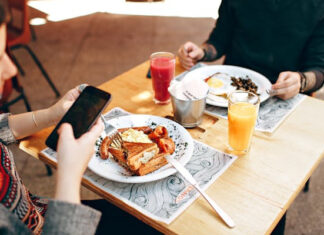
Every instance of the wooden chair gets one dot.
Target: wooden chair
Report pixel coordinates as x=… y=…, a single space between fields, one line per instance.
x=19 y=35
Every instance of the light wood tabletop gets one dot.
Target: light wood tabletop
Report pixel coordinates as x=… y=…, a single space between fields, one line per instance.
x=255 y=191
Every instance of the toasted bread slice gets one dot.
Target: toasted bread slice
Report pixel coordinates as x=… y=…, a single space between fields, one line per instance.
x=137 y=154
x=119 y=155
x=155 y=163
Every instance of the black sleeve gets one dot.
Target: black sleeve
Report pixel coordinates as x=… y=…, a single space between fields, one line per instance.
x=313 y=56
x=221 y=35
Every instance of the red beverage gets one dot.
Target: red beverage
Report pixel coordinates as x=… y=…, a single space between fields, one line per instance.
x=162 y=72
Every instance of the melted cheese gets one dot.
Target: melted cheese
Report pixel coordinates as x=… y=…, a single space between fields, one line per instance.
x=132 y=135
x=147 y=156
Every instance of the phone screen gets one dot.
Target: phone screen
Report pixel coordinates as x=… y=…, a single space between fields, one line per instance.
x=82 y=114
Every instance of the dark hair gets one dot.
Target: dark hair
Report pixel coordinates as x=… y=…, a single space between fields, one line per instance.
x=4 y=12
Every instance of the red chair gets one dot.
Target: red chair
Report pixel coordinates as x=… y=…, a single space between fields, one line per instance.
x=19 y=35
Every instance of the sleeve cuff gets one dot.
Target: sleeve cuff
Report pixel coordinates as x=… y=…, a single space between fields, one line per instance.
x=68 y=218
x=5 y=132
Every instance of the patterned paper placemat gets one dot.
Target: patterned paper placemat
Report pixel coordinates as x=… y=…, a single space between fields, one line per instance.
x=165 y=199
x=271 y=114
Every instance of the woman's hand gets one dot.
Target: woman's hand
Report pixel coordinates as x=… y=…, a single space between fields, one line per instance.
x=189 y=53
x=57 y=111
x=73 y=156
x=25 y=124
x=287 y=85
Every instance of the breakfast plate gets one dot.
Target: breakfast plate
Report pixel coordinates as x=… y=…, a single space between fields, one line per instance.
x=221 y=84
x=111 y=170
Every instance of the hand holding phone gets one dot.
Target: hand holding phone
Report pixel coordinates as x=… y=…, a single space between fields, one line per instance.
x=83 y=113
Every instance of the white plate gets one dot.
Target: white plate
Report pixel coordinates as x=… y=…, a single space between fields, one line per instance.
x=202 y=73
x=111 y=170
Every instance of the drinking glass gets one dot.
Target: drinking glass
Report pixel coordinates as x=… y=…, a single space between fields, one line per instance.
x=162 y=65
x=243 y=107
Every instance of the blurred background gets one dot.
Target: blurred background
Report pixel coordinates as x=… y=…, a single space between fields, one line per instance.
x=83 y=41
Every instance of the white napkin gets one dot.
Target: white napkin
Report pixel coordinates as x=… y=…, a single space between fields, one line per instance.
x=189 y=89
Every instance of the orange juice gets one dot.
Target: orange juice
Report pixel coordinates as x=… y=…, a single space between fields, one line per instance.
x=241 y=121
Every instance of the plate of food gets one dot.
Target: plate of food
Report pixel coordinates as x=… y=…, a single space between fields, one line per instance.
x=223 y=79
x=147 y=140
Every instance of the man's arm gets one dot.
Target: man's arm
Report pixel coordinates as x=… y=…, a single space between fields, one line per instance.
x=215 y=46
x=311 y=75
x=312 y=61
x=210 y=53
x=221 y=36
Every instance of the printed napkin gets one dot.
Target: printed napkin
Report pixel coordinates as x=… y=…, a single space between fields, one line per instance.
x=165 y=199
x=272 y=112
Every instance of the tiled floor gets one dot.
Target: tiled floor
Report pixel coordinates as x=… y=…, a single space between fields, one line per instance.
x=95 y=48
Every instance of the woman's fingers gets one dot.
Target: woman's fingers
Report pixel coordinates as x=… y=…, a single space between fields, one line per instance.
x=66 y=130
x=66 y=135
x=82 y=86
x=95 y=131
x=74 y=93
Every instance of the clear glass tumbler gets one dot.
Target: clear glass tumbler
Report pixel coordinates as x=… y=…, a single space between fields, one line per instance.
x=162 y=65
x=243 y=107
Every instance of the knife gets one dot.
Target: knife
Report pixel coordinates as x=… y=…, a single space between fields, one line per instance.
x=186 y=174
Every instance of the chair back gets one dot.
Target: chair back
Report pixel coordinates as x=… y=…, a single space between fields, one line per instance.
x=18 y=29
x=12 y=83
x=7 y=90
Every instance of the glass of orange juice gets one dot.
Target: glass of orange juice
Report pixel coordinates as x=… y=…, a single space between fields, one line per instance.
x=243 y=107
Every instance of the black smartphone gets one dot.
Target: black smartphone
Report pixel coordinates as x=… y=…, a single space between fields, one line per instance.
x=148 y=75
x=83 y=113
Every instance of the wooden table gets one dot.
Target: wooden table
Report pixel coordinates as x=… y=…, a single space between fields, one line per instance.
x=255 y=191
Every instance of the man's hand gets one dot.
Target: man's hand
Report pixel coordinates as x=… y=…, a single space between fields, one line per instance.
x=287 y=85
x=73 y=156
x=189 y=53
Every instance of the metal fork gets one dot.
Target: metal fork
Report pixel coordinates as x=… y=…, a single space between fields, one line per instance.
x=189 y=95
x=271 y=92
x=114 y=135
x=117 y=140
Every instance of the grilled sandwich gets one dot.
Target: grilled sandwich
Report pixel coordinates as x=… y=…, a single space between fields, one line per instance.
x=143 y=150
x=139 y=158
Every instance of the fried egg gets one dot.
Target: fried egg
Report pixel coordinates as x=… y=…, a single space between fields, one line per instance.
x=215 y=83
x=220 y=83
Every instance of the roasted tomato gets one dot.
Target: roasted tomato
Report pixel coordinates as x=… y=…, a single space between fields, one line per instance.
x=159 y=132
x=166 y=145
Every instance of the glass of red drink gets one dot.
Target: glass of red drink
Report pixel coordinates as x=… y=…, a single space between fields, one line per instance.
x=162 y=72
